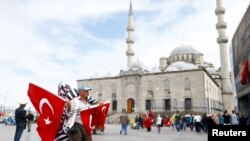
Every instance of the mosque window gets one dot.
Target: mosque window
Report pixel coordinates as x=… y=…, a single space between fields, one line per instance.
x=167 y=87
x=167 y=104
x=187 y=84
x=188 y=103
x=114 y=105
x=148 y=104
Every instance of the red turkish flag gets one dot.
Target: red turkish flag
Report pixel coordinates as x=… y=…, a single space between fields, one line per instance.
x=244 y=73
x=100 y=115
x=50 y=108
x=87 y=116
x=147 y=122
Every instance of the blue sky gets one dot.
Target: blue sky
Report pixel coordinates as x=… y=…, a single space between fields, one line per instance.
x=48 y=41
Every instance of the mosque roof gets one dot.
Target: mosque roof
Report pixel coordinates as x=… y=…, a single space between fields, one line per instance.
x=212 y=71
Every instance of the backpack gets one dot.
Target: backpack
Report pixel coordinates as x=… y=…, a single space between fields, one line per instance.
x=30 y=117
x=177 y=117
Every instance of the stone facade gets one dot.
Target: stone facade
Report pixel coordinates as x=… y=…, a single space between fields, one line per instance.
x=138 y=91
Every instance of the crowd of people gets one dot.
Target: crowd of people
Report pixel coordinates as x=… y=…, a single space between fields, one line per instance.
x=181 y=121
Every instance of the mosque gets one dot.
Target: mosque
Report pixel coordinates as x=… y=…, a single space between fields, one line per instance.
x=183 y=81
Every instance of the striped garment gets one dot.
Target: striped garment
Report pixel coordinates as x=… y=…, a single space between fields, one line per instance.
x=67 y=93
x=64 y=91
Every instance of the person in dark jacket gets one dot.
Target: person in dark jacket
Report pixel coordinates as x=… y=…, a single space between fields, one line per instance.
x=20 y=116
x=227 y=118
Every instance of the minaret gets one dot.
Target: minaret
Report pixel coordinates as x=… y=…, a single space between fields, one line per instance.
x=130 y=40
x=227 y=96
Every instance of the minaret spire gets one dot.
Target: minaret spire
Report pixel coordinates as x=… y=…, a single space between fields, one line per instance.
x=222 y=40
x=130 y=8
x=130 y=40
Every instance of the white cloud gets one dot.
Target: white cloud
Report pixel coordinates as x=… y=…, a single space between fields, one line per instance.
x=44 y=42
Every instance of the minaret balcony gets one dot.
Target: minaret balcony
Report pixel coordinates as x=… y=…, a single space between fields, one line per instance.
x=220 y=10
x=222 y=39
x=130 y=53
x=221 y=25
x=130 y=40
x=129 y=28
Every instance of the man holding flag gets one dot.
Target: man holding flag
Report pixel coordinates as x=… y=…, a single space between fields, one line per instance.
x=72 y=110
x=50 y=108
x=89 y=114
x=81 y=103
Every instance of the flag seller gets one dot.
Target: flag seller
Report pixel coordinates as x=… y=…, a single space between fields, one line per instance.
x=84 y=101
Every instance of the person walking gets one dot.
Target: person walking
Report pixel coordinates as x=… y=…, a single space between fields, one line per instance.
x=30 y=118
x=227 y=118
x=159 y=123
x=147 y=122
x=191 y=121
x=20 y=116
x=124 y=121
x=234 y=118
x=197 y=122
x=177 y=121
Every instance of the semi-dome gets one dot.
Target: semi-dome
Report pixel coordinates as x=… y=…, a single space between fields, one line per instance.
x=137 y=65
x=184 y=49
x=180 y=65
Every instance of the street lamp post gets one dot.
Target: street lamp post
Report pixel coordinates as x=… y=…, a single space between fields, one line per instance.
x=4 y=106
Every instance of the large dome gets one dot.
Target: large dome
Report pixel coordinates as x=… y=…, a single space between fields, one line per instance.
x=184 y=49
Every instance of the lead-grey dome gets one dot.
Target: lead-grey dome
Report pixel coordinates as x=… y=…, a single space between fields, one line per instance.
x=181 y=65
x=184 y=49
x=137 y=65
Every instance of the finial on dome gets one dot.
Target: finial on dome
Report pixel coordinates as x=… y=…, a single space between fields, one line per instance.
x=183 y=41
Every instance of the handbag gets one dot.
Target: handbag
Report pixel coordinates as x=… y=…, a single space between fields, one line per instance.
x=73 y=130
x=78 y=133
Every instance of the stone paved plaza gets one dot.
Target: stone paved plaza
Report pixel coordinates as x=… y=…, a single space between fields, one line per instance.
x=112 y=134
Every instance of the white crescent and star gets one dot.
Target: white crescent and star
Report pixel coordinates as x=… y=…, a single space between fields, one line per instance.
x=90 y=121
x=41 y=103
x=103 y=109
